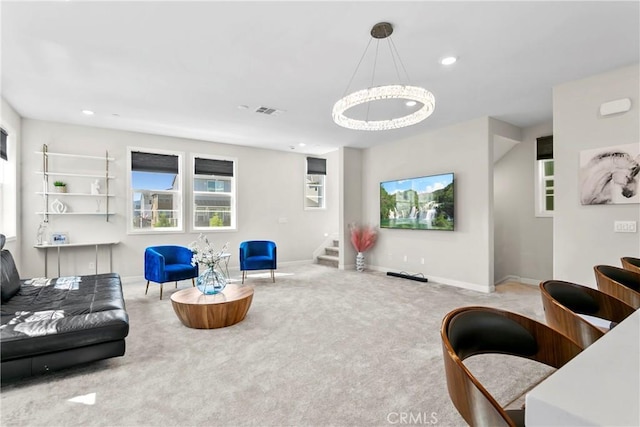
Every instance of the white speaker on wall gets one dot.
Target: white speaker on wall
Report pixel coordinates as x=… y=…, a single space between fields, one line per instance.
x=617 y=106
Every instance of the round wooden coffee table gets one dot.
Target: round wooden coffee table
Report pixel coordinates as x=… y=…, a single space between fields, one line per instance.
x=199 y=311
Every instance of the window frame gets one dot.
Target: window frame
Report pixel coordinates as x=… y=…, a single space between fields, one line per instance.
x=9 y=186
x=541 y=188
x=233 y=194
x=3 y=214
x=177 y=193
x=307 y=185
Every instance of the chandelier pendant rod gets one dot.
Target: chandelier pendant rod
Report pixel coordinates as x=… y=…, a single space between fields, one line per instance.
x=373 y=76
x=391 y=43
x=395 y=64
x=357 y=67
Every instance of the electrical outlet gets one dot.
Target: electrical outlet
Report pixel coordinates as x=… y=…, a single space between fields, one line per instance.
x=422 y=261
x=92 y=266
x=405 y=258
x=624 y=226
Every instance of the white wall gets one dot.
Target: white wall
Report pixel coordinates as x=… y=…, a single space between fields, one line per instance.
x=270 y=186
x=462 y=257
x=583 y=235
x=523 y=242
x=11 y=195
x=350 y=202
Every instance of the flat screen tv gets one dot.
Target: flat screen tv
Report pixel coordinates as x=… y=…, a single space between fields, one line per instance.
x=423 y=203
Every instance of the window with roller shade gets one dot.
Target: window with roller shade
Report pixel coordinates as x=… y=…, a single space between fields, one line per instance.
x=3 y=144
x=545 y=189
x=214 y=193
x=8 y=187
x=3 y=155
x=155 y=189
x=314 y=186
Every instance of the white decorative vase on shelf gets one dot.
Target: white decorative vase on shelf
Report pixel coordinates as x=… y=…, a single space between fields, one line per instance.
x=58 y=207
x=42 y=233
x=95 y=188
x=360 y=261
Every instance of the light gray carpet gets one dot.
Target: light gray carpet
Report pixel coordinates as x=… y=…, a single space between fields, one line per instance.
x=319 y=347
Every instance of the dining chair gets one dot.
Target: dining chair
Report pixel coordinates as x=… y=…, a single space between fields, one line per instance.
x=258 y=255
x=583 y=314
x=469 y=331
x=631 y=264
x=168 y=263
x=620 y=283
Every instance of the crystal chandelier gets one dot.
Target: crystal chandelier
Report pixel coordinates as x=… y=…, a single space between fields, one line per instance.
x=420 y=95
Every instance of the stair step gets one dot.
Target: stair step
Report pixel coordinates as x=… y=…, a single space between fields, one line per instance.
x=328 y=260
x=332 y=251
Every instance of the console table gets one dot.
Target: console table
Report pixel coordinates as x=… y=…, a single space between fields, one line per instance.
x=45 y=247
x=598 y=387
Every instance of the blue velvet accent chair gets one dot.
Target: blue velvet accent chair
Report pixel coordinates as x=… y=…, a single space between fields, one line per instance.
x=168 y=263
x=258 y=255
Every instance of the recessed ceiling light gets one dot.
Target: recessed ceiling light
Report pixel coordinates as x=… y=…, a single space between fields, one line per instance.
x=449 y=60
x=243 y=107
x=410 y=103
x=87 y=112
x=302 y=144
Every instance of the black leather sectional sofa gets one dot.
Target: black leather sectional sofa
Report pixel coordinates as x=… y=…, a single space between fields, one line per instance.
x=50 y=324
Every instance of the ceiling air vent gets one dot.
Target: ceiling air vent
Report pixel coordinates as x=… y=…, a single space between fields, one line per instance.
x=268 y=111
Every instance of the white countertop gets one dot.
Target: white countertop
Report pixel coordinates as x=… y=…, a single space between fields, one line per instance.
x=599 y=387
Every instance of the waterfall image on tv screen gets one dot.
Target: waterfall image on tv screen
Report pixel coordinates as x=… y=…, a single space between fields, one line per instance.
x=424 y=203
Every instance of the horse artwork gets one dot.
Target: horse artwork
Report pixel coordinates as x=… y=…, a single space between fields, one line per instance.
x=610 y=175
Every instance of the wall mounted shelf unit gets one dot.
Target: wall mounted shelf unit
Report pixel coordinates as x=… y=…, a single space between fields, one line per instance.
x=85 y=160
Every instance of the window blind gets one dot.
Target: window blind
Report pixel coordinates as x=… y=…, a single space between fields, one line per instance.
x=544 y=147
x=213 y=167
x=3 y=144
x=151 y=162
x=316 y=166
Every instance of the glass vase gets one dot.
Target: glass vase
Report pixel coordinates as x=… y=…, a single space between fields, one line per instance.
x=211 y=281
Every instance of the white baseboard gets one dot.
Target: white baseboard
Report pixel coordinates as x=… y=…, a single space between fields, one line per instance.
x=291 y=263
x=464 y=285
x=446 y=281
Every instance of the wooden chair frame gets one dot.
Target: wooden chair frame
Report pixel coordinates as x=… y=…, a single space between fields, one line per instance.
x=622 y=291
x=567 y=320
x=476 y=405
x=631 y=264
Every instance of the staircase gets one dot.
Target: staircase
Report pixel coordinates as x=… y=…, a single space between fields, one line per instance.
x=330 y=257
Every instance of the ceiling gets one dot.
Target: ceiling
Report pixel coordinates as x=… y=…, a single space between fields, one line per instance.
x=184 y=68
